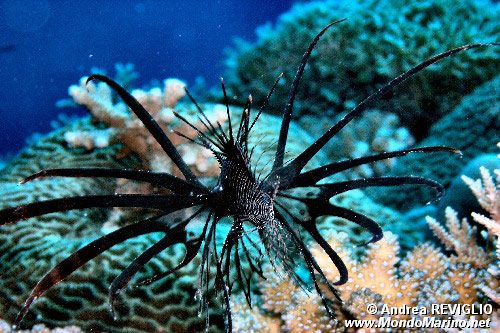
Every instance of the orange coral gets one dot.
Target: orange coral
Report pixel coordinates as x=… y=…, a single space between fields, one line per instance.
x=125 y=128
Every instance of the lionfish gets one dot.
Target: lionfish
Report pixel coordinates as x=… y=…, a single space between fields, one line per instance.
x=239 y=196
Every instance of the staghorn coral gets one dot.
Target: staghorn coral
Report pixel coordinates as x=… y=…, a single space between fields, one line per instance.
x=471 y=127
x=375 y=132
x=461 y=238
x=379 y=40
x=472 y=270
x=425 y=276
x=487 y=194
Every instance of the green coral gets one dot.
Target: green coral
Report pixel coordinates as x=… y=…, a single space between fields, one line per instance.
x=378 y=41
x=472 y=127
x=374 y=133
x=52 y=151
x=30 y=248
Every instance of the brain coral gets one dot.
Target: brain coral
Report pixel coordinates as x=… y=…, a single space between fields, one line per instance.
x=473 y=127
x=29 y=248
x=379 y=40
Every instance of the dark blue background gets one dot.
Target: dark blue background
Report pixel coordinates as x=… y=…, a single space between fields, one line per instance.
x=47 y=45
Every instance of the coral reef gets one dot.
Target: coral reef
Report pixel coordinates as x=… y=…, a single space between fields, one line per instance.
x=375 y=132
x=30 y=248
x=468 y=273
x=379 y=40
x=425 y=276
x=51 y=151
x=6 y=328
x=125 y=128
x=28 y=252
x=487 y=193
x=471 y=127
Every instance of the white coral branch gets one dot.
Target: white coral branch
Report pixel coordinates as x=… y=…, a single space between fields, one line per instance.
x=490 y=224
x=440 y=233
x=486 y=192
x=460 y=237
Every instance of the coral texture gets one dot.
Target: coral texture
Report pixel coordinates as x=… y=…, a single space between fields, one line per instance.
x=467 y=274
x=379 y=40
x=425 y=276
x=30 y=248
x=125 y=128
x=487 y=193
x=375 y=132
x=472 y=127
x=6 y=328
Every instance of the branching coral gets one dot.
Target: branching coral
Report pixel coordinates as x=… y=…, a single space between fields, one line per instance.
x=425 y=276
x=461 y=238
x=125 y=128
x=379 y=40
x=488 y=195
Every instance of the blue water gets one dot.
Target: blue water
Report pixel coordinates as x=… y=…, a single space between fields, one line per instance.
x=47 y=45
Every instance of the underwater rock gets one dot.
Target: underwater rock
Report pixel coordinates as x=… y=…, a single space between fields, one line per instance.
x=473 y=127
x=378 y=41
